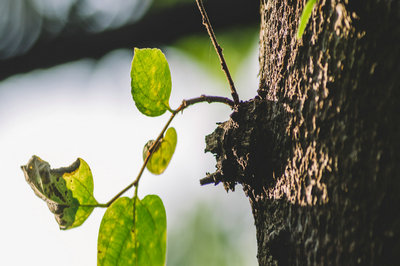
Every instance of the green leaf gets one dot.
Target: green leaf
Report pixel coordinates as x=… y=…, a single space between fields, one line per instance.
x=160 y=159
x=80 y=182
x=123 y=242
x=150 y=81
x=64 y=189
x=305 y=16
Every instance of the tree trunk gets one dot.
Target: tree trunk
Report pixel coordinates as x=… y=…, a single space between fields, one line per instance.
x=317 y=151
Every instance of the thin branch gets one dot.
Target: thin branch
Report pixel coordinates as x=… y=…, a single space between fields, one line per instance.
x=218 y=49
x=184 y=105
x=207 y=180
x=209 y=99
x=214 y=178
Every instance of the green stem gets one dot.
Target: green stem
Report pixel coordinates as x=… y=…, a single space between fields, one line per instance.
x=135 y=197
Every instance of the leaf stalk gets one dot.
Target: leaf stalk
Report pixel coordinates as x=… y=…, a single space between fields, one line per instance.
x=184 y=105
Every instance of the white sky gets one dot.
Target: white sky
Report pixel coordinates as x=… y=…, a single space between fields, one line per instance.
x=84 y=109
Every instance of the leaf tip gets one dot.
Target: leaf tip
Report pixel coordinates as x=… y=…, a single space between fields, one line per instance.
x=305 y=17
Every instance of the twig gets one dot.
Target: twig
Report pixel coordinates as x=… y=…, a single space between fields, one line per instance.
x=218 y=49
x=209 y=99
x=184 y=104
x=214 y=178
x=207 y=180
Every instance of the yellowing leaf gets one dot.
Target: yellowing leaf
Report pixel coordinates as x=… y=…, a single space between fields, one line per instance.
x=150 y=81
x=160 y=159
x=64 y=189
x=80 y=182
x=123 y=242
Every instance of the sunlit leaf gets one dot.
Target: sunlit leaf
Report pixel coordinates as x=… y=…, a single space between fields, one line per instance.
x=305 y=16
x=80 y=182
x=121 y=242
x=150 y=81
x=160 y=159
x=64 y=189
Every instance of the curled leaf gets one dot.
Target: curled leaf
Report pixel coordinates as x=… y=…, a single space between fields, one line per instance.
x=64 y=189
x=125 y=242
x=150 y=81
x=305 y=16
x=162 y=155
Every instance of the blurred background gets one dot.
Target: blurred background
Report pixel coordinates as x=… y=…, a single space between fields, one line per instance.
x=65 y=93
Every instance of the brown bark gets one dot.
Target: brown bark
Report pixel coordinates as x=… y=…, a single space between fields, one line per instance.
x=317 y=151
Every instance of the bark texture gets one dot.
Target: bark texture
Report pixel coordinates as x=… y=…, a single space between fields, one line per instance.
x=317 y=150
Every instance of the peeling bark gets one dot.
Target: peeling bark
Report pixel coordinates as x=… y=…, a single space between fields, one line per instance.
x=317 y=150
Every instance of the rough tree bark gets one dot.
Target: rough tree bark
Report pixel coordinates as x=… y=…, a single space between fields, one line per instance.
x=317 y=150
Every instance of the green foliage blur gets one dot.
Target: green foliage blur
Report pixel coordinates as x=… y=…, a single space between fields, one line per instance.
x=236 y=44
x=202 y=237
